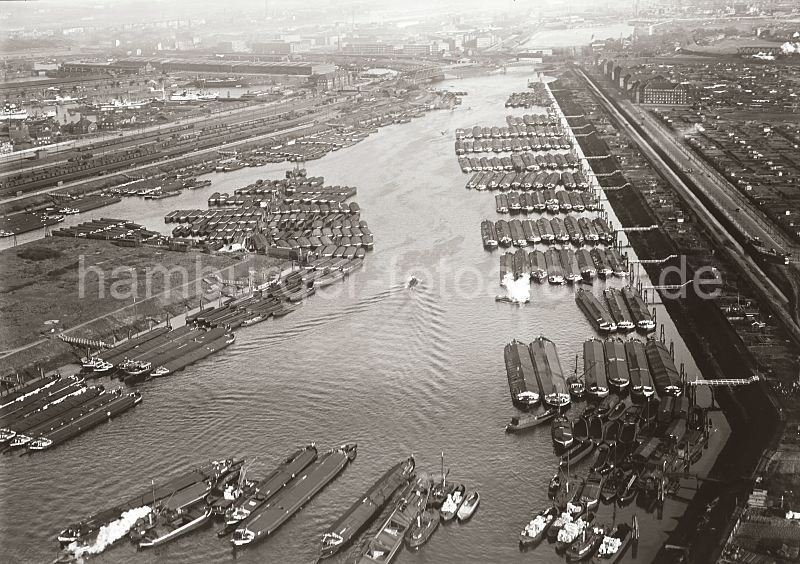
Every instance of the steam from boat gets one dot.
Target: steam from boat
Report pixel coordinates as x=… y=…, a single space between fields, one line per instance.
x=519 y=290
x=111 y=533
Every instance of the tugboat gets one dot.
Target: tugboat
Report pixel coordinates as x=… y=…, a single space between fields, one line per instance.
x=577 y=387
x=525 y=422
x=562 y=432
x=440 y=490
x=421 y=530
x=171 y=523
x=584 y=548
x=613 y=546
x=571 y=531
x=387 y=542
x=83 y=531
x=469 y=506
x=366 y=508
x=537 y=528
x=453 y=502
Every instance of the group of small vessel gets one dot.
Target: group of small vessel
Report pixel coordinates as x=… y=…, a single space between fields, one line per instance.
x=251 y=510
x=50 y=410
x=633 y=448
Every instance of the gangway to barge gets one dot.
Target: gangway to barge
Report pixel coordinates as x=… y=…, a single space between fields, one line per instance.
x=725 y=381
x=652 y=261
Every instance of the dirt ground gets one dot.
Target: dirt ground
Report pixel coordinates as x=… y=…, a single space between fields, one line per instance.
x=88 y=288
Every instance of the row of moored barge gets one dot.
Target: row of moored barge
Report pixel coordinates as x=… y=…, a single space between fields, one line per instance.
x=520 y=162
x=548 y=200
x=51 y=410
x=624 y=310
x=575 y=230
x=528 y=125
x=560 y=266
x=531 y=180
x=516 y=145
x=535 y=97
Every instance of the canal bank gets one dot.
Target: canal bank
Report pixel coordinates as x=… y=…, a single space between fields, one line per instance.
x=398 y=370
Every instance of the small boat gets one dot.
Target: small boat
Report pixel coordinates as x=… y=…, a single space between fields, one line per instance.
x=607 y=404
x=90 y=362
x=580 y=429
x=102 y=367
x=572 y=514
x=590 y=496
x=562 y=432
x=611 y=484
x=614 y=545
x=577 y=387
x=423 y=527
x=616 y=411
x=596 y=428
x=577 y=453
x=158 y=372
x=525 y=422
x=137 y=369
x=413 y=281
x=600 y=460
x=537 y=528
x=453 y=502
x=467 y=509
x=441 y=489
x=586 y=546
x=627 y=490
x=611 y=431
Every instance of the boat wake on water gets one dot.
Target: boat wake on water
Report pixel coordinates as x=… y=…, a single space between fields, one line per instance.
x=310 y=324
x=518 y=291
x=106 y=536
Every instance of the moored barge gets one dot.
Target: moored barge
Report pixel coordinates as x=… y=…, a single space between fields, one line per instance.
x=595 y=311
x=662 y=368
x=548 y=370
x=641 y=382
x=595 y=368
x=366 y=508
x=270 y=517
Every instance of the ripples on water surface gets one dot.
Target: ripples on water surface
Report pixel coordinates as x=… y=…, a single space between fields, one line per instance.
x=398 y=370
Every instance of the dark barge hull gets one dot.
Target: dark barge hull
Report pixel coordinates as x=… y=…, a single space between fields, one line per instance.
x=366 y=508
x=270 y=517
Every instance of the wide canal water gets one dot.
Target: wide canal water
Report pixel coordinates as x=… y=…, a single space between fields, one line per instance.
x=397 y=370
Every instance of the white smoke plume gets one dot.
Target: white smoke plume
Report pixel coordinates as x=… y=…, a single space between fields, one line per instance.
x=519 y=290
x=789 y=48
x=109 y=534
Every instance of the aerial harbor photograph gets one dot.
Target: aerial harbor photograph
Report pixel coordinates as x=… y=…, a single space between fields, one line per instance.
x=370 y=281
